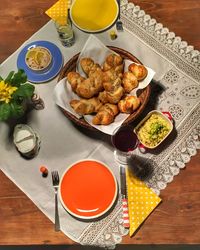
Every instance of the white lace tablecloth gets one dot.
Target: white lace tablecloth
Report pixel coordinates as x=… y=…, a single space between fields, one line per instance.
x=176 y=88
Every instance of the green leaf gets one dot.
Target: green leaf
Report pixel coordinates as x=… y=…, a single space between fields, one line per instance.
x=9 y=77
x=5 y=111
x=25 y=91
x=19 y=78
x=17 y=110
x=1 y=78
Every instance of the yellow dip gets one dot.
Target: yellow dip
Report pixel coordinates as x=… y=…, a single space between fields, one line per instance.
x=38 y=58
x=153 y=130
x=94 y=15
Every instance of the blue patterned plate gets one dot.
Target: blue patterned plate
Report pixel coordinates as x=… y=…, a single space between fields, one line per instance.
x=49 y=73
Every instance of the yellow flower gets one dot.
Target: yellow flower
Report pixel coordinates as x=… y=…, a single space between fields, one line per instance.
x=6 y=92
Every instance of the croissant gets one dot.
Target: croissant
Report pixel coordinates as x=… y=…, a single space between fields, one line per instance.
x=129 y=104
x=106 y=114
x=86 y=106
x=129 y=82
x=74 y=79
x=138 y=70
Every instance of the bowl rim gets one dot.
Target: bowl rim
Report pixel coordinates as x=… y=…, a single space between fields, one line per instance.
x=145 y=119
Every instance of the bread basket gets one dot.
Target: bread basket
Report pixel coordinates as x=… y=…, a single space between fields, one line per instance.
x=144 y=93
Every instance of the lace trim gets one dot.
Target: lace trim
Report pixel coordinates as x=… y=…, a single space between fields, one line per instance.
x=107 y=232
x=169 y=162
x=184 y=56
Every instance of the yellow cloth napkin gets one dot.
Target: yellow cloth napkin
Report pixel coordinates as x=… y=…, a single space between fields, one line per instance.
x=59 y=12
x=141 y=201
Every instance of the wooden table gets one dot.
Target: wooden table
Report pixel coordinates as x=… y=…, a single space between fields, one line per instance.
x=177 y=219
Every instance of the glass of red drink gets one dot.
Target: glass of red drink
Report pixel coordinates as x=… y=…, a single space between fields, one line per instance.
x=125 y=141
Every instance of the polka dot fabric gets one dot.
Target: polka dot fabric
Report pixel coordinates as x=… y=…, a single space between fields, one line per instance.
x=141 y=201
x=58 y=12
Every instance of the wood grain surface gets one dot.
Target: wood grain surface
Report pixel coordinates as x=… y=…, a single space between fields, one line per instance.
x=177 y=219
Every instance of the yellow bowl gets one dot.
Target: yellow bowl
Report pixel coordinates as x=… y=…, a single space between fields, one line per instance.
x=94 y=16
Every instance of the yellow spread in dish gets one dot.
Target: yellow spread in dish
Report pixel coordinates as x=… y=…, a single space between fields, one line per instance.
x=94 y=15
x=153 y=130
x=38 y=58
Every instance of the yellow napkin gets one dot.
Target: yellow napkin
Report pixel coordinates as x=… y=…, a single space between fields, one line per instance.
x=141 y=201
x=58 y=12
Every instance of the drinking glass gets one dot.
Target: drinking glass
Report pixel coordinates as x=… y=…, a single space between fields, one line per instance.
x=125 y=141
x=65 y=32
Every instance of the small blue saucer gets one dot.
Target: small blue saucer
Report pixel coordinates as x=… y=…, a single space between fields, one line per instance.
x=44 y=75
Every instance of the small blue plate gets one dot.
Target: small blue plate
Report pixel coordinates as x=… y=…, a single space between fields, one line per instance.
x=49 y=73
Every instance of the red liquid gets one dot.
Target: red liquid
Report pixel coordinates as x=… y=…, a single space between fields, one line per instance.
x=125 y=139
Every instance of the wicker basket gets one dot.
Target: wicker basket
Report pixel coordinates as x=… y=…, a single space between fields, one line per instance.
x=144 y=94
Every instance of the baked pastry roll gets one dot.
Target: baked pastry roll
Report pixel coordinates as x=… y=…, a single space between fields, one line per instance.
x=74 y=79
x=112 y=85
x=86 y=106
x=129 y=104
x=129 y=82
x=88 y=65
x=115 y=96
x=113 y=92
x=86 y=87
x=113 y=61
x=97 y=78
x=89 y=88
x=102 y=96
x=106 y=114
x=111 y=75
x=138 y=70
